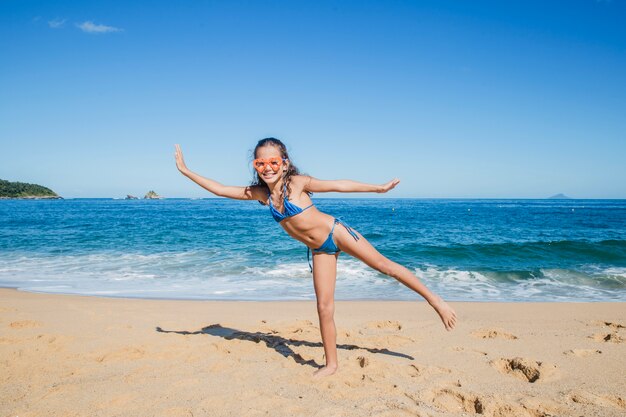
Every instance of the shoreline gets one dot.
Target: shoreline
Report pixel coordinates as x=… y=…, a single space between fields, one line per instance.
x=363 y=300
x=106 y=356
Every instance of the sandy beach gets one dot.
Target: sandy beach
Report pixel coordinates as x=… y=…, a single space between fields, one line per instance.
x=66 y=355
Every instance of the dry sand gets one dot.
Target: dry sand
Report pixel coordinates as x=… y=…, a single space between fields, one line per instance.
x=64 y=355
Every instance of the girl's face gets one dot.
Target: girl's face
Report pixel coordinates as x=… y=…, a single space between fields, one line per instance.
x=268 y=175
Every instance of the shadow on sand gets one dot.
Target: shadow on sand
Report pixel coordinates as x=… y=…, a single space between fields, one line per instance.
x=278 y=343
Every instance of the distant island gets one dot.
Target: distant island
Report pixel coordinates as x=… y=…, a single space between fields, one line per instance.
x=23 y=190
x=559 y=197
x=151 y=195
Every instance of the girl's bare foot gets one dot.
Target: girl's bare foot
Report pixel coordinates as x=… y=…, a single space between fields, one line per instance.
x=447 y=314
x=325 y=371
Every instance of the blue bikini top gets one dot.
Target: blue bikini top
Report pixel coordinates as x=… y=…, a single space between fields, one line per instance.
x=290 y=208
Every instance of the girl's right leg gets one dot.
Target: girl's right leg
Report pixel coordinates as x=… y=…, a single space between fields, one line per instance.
x=363 y=250
x=324 y=279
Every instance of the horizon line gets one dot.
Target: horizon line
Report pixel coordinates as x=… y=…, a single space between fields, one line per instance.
x=334 y=198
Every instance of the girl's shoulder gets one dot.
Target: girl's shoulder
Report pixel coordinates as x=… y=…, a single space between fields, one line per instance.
x=299 y=184
x=300 y=180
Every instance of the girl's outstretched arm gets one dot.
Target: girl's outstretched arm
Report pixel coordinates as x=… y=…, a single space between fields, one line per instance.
x=238 y=193
x=347 y=186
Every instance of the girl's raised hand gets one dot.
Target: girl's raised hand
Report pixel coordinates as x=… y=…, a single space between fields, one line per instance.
x=180 y=162
x=390 y=185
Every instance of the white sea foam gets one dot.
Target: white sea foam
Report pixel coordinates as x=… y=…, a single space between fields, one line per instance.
x=459 y=284
x=615 y=272
x=212 y=275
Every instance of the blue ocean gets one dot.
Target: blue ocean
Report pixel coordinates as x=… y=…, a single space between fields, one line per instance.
x=218 y=249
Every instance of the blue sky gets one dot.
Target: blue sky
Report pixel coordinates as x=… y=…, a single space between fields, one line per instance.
x=460 y=99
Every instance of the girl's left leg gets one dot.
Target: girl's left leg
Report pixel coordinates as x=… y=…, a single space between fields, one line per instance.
x=364 y=251
x=324 y=278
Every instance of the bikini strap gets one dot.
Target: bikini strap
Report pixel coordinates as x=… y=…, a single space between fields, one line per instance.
x=332 y=229
x=348 y=228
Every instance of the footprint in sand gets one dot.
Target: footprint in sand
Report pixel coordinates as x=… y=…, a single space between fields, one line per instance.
x=454 y=400
x=587 y=398
x=404 y=406
x=525 y=369
x=613 y=325
x=581 y=353
x=607 y=337
x=493 y=334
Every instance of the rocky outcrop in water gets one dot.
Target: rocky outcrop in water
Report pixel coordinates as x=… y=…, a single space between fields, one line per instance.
x=151 y=195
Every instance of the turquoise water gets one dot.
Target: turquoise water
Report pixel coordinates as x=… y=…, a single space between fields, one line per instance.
x=466 y=250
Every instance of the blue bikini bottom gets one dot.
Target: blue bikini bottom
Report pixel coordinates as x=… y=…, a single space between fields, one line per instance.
x=329 y=245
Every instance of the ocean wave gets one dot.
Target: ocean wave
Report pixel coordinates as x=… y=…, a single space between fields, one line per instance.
x=214 y=275
x=536 y=285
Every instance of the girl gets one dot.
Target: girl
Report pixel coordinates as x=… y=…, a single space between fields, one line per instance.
x=278 y=185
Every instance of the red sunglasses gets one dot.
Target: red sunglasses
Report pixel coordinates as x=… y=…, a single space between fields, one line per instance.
x=274 y=163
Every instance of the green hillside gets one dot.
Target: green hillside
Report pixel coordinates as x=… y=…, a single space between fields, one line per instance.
x=24 y=190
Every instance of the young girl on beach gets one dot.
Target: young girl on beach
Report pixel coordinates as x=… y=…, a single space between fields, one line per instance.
x=278 y=185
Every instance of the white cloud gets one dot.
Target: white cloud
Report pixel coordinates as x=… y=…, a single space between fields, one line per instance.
x=91 y=27
x=56 y=23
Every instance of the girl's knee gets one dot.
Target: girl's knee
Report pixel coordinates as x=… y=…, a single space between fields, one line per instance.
x=326 y=308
